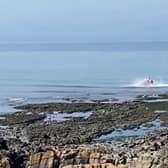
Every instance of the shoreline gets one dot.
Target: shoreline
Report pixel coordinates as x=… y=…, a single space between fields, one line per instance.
x=72 y=141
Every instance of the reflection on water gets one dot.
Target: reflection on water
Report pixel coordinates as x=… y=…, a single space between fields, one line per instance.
x=136 y=132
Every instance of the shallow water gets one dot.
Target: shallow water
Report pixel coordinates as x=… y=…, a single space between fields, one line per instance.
x=160 y=111
x=136 y=132
x=5 y=108
x=156 y=100
x=59 y=117
x=34 y=74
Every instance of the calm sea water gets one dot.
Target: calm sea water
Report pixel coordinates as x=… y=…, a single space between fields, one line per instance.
x=39 y=73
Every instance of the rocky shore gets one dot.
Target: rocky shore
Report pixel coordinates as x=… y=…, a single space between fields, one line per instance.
x=68 y=135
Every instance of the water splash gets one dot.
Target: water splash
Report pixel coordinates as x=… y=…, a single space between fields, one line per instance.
x=141 y=83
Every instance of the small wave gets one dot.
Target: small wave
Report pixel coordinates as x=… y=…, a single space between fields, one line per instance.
x=16 y=100
x=66 y=86
x=139 y=83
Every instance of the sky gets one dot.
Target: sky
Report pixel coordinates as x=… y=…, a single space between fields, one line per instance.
x=83 y=20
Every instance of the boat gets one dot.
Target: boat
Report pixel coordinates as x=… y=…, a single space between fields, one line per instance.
x=147 y=82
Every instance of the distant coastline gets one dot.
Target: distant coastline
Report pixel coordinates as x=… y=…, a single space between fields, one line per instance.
x=83 y=46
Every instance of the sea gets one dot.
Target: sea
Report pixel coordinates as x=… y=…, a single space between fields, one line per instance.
x=41 y=72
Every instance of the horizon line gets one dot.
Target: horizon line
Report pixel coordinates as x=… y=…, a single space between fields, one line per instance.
x=78 y=42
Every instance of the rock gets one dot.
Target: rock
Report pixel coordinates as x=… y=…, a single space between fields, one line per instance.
x=35 y=160
x=83 y=157
x=94 y=158
x=5 y=162
x=3 y=144
x=47 y=160
x=68 y=155
x=69 y=144
x=42 y=160
x=106 y=165
x=107 y=158
x=157 y=146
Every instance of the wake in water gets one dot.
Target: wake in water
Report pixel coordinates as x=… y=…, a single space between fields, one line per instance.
x=146 y=82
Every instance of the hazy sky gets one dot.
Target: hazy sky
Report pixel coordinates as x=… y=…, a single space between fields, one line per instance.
x=84 y=20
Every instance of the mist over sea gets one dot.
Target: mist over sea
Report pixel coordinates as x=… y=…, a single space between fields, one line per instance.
x=50 y=72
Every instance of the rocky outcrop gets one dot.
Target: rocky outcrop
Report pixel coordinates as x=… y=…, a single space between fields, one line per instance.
x=148 y=152
x=72 y=143
x=151 y=152
x=42 y=160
